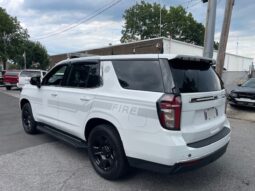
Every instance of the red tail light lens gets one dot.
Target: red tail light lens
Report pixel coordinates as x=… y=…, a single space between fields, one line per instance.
x=169 y=111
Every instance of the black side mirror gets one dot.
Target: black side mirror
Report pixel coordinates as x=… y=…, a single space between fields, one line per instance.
x=239 y=84
x=36 y=81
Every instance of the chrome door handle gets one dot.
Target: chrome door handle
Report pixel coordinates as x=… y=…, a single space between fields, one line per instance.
x=54 y=95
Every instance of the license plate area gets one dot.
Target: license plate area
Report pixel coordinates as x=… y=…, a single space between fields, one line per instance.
x=210 y=113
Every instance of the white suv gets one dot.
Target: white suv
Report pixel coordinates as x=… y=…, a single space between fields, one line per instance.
x=164 y=113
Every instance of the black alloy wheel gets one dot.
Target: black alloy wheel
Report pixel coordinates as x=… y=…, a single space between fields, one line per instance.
x=103 y=153
x=28 y=122
x=106 y=152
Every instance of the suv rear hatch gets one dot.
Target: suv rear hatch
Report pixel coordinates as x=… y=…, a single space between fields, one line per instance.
x=202 y=97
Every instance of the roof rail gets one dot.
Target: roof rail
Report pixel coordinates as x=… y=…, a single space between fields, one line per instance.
x=78 y=55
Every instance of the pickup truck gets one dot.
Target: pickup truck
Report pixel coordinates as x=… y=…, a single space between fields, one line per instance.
x=11 y=78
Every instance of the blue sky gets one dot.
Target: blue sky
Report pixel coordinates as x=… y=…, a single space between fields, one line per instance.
x=44 y=18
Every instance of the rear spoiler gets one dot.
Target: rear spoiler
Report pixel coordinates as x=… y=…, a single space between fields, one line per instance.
x=196 y=58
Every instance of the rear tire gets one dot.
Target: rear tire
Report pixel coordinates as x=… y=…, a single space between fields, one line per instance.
x=8 y=87
x=106 y=152
x=28 y=122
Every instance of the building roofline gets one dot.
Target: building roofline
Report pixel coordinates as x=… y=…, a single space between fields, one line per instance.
x=147 y=40
x=121 y=44
x=215 y=51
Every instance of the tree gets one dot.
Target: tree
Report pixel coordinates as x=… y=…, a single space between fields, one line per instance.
x=36 y=56
x=14 y=43
x=12 y=37
x=142 y=21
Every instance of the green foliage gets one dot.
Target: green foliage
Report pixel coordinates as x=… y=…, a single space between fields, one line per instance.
x=13 y=67
x=216 y=45
x=12 y=37
x=142 y=21
x=35 y=54
x=14 y=42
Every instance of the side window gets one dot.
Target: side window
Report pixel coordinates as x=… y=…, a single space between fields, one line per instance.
x=139 y=75
x=84 y=75
x=55 y=77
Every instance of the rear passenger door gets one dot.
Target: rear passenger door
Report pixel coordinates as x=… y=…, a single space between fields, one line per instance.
x=76 y=96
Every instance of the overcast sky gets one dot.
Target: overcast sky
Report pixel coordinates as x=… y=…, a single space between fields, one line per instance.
x=45 y=18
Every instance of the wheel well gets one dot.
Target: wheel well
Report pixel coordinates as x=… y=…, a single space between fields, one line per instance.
x=23 y=102
x=95 y=122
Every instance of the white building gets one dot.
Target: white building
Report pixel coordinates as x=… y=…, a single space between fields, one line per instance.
x=232 y=62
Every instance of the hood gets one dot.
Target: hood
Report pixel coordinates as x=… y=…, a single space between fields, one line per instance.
x=244 y=90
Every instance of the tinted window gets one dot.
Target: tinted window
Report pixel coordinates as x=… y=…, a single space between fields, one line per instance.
x=139 y=75
x=194 y=76
x=84 y=75
x=56 y=76
x=30 y=73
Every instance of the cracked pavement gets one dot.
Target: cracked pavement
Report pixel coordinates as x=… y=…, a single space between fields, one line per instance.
x=39 y=162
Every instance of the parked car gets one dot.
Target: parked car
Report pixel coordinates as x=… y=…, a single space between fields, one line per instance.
x=164 y=113
x=244 y=94
x=11 y=78
x=25 y=76
x=1 y=78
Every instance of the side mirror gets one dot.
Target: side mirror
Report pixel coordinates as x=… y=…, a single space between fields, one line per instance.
x=36 y=81
x=239 y=84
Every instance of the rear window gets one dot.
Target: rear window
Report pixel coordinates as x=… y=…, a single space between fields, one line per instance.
x=139 y=75
x=194 y=76
x=30 y=73
x=11 y=73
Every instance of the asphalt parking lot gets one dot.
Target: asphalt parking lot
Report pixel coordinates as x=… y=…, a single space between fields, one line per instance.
x=42 y=163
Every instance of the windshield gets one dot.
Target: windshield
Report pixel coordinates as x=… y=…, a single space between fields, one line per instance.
x=250 y=83
x=30 y=73
x=194 y=76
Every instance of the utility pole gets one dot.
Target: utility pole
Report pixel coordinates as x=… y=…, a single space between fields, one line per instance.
x=210 y=28
x=160 y=18
x=25 y=60
x=224 y=36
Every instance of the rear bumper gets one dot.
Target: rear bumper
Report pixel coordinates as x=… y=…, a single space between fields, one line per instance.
x=10 y=84
x=179 y=167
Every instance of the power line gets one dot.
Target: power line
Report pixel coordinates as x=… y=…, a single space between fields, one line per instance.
x=193 y=5
x=84 y=20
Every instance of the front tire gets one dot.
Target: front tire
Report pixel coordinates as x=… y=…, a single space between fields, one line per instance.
x=28 y=122
x=8 y=87
x=106 y=152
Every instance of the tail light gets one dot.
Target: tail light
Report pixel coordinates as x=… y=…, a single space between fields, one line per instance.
x=169 y=111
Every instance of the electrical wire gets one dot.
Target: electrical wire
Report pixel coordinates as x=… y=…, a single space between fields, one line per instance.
x=193 y=5
x=84 y=20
